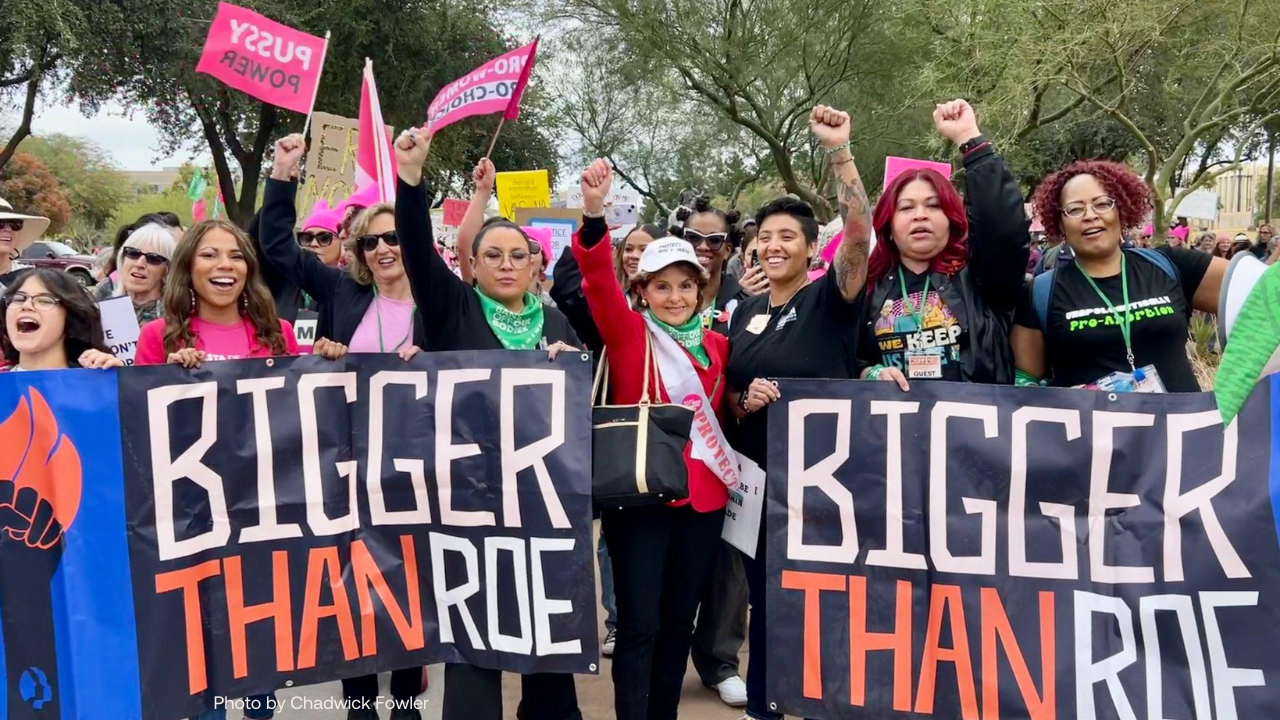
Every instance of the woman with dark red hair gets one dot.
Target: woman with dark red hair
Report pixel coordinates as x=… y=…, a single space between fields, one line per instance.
x=1115 y=318
x=945 y=276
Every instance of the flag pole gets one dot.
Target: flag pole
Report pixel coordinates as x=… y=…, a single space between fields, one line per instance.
x=497 y=132
x=306 y=126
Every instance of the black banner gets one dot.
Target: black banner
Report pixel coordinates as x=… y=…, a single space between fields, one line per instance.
x=976 y=552
x=296 y=521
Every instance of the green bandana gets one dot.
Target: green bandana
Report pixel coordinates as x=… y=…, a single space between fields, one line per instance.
x=516 y=331
x=688 y=335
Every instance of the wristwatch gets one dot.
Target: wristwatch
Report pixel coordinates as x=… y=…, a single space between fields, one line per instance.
x=972 y=145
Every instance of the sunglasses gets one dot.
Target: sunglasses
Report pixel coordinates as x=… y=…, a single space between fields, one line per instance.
x=136 y=254
x=43 y=301
x=369 y=243
x=14 y=225
x=323 y=239
x=715 y=241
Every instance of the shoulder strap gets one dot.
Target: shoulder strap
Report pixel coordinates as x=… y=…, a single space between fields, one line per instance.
x=600 y=385
x=1161 y=261
x=1041 y=290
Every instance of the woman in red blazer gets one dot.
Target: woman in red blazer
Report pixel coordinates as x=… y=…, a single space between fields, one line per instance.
x=663 y=555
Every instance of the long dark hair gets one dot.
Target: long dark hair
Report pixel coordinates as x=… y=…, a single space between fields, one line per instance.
x=83 y=328
x=180 y=298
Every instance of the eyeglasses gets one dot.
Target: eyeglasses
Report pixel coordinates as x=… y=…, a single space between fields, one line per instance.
x=14 y=225
x=715 y=241
x=323 y=239
x=1100 y=206
x=493 y=258
x=154 y=259
x=42 y=302
x=369 y=243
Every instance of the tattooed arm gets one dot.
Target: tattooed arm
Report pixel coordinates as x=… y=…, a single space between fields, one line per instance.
x=832 y=128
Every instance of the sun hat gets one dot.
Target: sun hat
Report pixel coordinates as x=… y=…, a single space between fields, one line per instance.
x=32 y=228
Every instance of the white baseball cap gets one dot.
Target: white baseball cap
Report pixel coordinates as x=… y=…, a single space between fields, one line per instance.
x=668 y=251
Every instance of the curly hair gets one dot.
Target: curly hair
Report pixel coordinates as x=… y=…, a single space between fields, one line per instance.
x=701 y=206
x=954 y=255
x=1133 y=198
x=82 y=329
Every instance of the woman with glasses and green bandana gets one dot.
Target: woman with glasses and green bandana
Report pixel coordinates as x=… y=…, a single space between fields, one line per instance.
x=367 y=308
x=1115 y=318
x=497 y=312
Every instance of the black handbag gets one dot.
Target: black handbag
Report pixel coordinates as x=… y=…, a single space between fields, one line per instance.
x=637 y=450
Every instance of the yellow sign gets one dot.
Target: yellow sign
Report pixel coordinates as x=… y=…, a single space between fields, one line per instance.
x=523 y=189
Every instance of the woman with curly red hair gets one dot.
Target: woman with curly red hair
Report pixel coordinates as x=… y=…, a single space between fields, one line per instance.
x=1115 y=317
x=945 y=277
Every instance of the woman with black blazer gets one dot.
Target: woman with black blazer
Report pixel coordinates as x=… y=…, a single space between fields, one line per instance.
x=368 y=307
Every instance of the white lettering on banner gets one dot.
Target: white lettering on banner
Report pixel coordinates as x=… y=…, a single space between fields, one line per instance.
x=533 y=455
x=1101 y=499
x=1184 y=611
x=1225 y=677
x=543 y=606
x=1064 y=514
x=984 y=563
x=447 y=452
x=268 y=528
x=313 y=485
x=522 y=643
x=1089 y=672
x=1178 y=505
x=264 y=44
x=165 y=470
x=822 y=477
x=893 y=554
x=413 y=467
x=499 y=90
x=447 y=597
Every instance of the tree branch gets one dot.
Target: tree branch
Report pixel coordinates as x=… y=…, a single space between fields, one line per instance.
x=23 y=131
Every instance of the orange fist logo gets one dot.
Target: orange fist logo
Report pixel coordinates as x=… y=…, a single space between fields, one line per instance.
x=40 y=480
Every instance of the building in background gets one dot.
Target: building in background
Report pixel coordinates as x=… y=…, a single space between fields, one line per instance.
x=152 y=182
x=1238 y=194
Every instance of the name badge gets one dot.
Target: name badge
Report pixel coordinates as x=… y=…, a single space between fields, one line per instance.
x=758 y=324
x=924 y=367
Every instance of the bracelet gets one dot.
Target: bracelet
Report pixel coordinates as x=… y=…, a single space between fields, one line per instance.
x=874 y=372
x=591 y=215
x=838 y=163
x=846 y=145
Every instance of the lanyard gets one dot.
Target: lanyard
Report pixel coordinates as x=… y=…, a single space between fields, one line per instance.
x=1122 y=318
x=377 y=309
x=906 y=297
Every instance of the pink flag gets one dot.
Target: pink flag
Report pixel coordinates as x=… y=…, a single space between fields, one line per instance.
x=375 y=160
x=199 y=211
x=261 y=57
x=495 y=86
x=895 y=166
x=454 y=211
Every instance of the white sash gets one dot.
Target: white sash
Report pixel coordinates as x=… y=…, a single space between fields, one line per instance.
x=684 y=387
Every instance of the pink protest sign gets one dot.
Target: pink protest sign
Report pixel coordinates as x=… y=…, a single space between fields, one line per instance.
x=495 y=86
x=895 y=166
x=272 y=62
x=454 y=210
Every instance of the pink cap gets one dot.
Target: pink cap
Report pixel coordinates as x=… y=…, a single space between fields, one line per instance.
x=324 y=217
x=1148 y=231
x=542 y=236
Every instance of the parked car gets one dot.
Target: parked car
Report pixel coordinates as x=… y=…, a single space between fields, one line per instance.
x=60 y=256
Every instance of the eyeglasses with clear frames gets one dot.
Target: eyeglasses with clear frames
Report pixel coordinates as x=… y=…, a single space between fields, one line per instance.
x=1100 y=206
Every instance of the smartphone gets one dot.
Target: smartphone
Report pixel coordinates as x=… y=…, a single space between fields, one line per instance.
x=755 y=258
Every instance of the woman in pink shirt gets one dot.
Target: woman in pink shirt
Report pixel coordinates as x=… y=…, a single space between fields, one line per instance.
x=216 y=306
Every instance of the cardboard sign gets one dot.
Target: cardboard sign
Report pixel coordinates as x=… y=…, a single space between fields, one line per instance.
x=563 y=223
x=1201 y=204
x=262 y=58
x=331 y=162
x=895 y=166
x=454 y=211
x=120 y=327
x=522 y=189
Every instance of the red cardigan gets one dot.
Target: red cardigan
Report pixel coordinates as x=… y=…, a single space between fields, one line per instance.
x=623 y=331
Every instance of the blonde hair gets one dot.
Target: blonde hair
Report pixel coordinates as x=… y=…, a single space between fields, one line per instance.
x=359 y=267
x=152 y=238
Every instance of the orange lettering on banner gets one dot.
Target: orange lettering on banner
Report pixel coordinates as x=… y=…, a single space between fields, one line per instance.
x=946 y=599
x=996 y=628
x=812 y=584
x=324 y=562
x=366 y=573
x=188 y=581
x=278 y=610
x=861 y=642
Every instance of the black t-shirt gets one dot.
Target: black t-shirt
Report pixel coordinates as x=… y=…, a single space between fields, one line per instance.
x=1084 y=343
x=893 y=334
x=813 y=335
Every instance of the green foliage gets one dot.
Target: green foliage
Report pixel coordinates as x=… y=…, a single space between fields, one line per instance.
x=172 y=200
x=1261 y=199
x=29 y=186
x=93 y=186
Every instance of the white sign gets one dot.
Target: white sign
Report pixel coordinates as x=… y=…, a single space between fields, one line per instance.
x=1201 y=204
x=120 y=326
x=746 y=504
x=619 y=194
x=304 y=330
x=561 y=238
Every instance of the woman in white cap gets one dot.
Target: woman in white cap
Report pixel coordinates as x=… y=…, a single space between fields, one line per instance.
x=144 y=264
x=663 y=554
x=17 y=232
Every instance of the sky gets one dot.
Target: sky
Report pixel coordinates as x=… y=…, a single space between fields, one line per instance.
x=126 y=136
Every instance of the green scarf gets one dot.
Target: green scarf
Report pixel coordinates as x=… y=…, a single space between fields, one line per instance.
x=516 y=331
x=688 y=335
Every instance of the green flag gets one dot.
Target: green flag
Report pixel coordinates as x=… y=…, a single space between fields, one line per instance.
x=198 y=185
x=1253 y=349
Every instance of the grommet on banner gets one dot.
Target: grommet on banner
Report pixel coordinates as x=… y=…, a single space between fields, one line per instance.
x=271 y=362
x=586 y=357
x=773 y=707
x=1111 y=397
x=288 y=683
x=592 y=667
